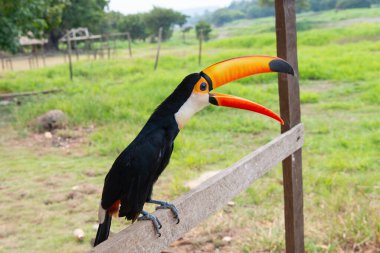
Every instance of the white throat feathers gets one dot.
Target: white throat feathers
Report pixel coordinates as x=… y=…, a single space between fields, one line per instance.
x=195 y=103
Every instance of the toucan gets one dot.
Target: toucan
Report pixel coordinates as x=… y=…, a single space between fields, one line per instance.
x=129 y=183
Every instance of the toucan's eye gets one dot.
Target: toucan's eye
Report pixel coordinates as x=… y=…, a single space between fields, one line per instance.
x=203 y=86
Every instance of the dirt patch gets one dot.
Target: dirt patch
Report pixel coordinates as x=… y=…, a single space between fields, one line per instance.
x=93 y=173
x=199 y=241
x=64 y=141
x=86 y=189
x=7 y=230
x=55 y=181
x=75 y=196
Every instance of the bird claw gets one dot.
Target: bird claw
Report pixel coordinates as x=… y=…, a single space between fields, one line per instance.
x=166 y=205
x=156 y=222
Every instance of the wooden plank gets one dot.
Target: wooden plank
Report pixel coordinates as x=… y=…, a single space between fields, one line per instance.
x=206 y=199
x=291 y=113
x=23 y=94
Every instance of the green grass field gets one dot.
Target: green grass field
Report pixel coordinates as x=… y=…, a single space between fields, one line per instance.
x=109 y=101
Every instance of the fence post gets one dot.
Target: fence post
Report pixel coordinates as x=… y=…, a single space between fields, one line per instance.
x=158 y=47
x=200 y=46
x=43 y=54
x=129 y=44
x=69 y=54
x=291 y=114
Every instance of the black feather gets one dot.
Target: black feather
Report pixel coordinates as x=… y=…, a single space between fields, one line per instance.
x=103 y=230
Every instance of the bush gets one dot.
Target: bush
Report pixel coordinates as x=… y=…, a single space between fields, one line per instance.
x=350 y=4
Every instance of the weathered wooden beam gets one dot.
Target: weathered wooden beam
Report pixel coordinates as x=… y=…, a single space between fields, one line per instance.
x=291 y=114
x=24 y=94
x=204 y=200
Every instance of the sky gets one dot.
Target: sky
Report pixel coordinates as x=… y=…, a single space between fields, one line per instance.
x=133 y=6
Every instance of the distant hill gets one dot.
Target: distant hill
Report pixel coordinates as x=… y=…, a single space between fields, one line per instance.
x=199 y=11
x=252 y=9
x=197 y=14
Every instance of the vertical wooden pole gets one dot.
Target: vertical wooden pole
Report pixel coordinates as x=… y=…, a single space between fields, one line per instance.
x=2 y=62
x=108 y=50
x=36 y=58
x=43 y=54
x=129 y=44
x=158 y=48
x=200 y=46
x=291 y=114
x=69 y=54
x=10 y=63
x=76 y=49
x=30 y=63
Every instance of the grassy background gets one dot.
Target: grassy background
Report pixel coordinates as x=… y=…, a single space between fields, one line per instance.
x=109 y=101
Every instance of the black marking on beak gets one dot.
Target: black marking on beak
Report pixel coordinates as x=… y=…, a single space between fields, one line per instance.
x=208 y=79
x=281 y=66
x=212 y=100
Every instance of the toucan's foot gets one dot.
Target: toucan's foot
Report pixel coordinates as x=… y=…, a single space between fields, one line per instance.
x=166 y=205
x=156 y=222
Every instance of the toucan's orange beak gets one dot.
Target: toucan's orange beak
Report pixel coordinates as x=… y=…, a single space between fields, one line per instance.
x=229 y=70
x=241 y=103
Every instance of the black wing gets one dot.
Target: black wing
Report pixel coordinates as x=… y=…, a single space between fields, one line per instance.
x=134 y=172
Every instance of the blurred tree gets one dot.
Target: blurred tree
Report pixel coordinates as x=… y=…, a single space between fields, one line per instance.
x=349 y=4
x=53 y=18
x=70 y=14
x=205 y=28
x=256 y=11
x=320 y=5
x=225 y=15
x=134 y=24
x=111 y=22
x=19 y=17
x=301 y=5
x=165 y=18
x=184 y=31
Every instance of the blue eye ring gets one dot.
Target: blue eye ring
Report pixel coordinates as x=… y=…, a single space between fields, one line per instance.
x=203 y=86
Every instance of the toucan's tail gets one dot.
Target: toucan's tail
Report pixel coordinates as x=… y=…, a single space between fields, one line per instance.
x=103 y=229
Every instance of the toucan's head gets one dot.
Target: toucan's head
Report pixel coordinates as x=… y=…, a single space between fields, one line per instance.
x=193 y=94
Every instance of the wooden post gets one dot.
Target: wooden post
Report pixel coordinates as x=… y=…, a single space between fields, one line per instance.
x=43 y=54
x=200 y=46
x=291 y=114
x=158 y=47
x=76 y=49
x=108 y=50
x=69 y=54
x=10 y=62
x=35 y=56
x=129 y=44
x=2 y=62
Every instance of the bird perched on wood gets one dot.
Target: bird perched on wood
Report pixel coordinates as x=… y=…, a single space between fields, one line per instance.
x=129 y=183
